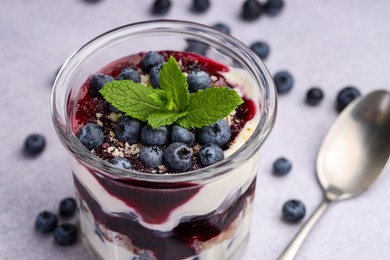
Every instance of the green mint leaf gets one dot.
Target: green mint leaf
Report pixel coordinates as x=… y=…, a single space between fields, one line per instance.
x=160 y=118
x=174 y=82
x=209 y=105
x=161 y=97
x=132 y=98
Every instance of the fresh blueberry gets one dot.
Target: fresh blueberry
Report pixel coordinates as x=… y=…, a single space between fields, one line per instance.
x=293 y=211
x=314 y=96
x=154 y=75
x=182 y=135
x=261 y=49
x=196 y=46
x=67 y=207
x=200 y=6
x=121 y=163
x=114 y=109
x=128 y=129
x=251 y=10
x=178 y=157
x=197 y=80
x=46 y=222
x=283 y=82
x=151 y=156
x=150 y=60
x=210 y=153
x=346 y=96
x=97 y=82
x=273 y=7
x=218 y=133
x=161 y=7
x=65 y=234
x=93 y=1
x=91 y=136
x=34 y=144
x=157 y=136
x=222 y=27
x=129 y=74
x=281 y=166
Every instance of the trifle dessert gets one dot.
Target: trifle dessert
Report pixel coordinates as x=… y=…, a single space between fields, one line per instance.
x=165 y=148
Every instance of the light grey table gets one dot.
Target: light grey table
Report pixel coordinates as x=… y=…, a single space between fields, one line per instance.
x=326 y=43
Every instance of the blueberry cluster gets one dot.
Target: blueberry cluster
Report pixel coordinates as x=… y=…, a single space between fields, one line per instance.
x=65 y=234
x=173 y=146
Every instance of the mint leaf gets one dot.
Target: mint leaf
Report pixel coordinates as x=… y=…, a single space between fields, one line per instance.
x=174 y=82
x=161 y=97
x=209 y=105
x=160 y=118
x=132 y=98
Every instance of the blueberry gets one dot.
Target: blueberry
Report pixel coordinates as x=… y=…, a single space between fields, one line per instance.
x=182 y=135
x=157 y=136
x=222 y=27
x=46 y=222
x=346 y=96
x=198 y=79
x=67 y=207
x=154 y=75
x=196 y=46
x=281 y=166
x=34 y=144
x=128 y=129
x=151 y=156
x=91 y=136
x=93 y=1
x=161 y=7
x=150 y=60
x=314 y=96
x=178 y=157
x=293 y=211
x=283 y=82
x=218 y=133
x=129 y=74
x=273 y=7
x=114 y=109
x=97 y=82
x=121 y=163
x=210 y=153
x=251 y=10
x=200 y=6
x=261 y=49
x=65 y=234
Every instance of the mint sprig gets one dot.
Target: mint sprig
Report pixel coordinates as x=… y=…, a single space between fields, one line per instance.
x=172 y=103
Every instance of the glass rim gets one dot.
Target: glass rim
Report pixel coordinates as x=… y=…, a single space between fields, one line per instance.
x=260 y=73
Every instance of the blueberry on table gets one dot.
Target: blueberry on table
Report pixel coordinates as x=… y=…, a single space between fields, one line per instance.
x=93 y=1
x=182 y=135
x=196 y=46
x=210 y=153
x=67 y=207
x=91 y=136
x=65 y=234
x=314 y=96
x=281 y=166
x=150 y=60
x=156 y=136
x=260 y=48
x=273 y=7
x=97 y=82
x=222 y=27
x=200 y=6
x=251 y=10
x=161 y=7
x=198 y=80
x=128 y=129
x=346 y=96
x=293 y=211
x=46 y=222
x=218 y=133
x=151 y=156
x=121 y=162
x=283 y=82
x=34 y=144
x=178 y=157
x=154 y=75
x=129 y=74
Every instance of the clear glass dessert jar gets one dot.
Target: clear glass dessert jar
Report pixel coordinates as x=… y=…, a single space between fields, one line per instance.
x=201 y=214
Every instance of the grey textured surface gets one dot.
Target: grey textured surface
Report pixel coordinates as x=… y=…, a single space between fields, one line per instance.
x=327 y=43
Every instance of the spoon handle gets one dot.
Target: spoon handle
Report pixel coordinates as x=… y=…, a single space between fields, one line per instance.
x=292 y=249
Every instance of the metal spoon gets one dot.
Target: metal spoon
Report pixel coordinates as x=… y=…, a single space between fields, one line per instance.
x=352 y=156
